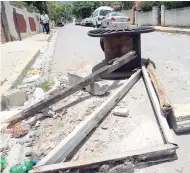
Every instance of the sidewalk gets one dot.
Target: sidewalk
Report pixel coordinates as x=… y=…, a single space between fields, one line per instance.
x=17 y=57
x=173 y=30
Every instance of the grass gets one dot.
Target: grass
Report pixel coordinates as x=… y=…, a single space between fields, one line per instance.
x=45 y=85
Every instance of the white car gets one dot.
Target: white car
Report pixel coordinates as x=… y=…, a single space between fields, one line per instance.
x=99 y=14
x=83 y=22
x=115 y=18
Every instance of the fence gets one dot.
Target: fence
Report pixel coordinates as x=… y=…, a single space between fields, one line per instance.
x=175 y=17
x=147 y=18
x=20 y=22
x=155 y=17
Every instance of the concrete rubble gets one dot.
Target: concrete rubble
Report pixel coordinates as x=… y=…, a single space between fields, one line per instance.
x=14 y=98
x=97 y=88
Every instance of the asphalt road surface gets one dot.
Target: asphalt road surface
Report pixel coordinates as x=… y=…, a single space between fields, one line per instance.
x=171 y=54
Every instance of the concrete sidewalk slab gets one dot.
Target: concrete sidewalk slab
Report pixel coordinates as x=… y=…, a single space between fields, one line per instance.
x=181 y=118
x=173 y=30
x=17 y=57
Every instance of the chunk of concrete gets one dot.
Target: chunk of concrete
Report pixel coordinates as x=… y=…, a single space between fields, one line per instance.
x=121 y=111
x=97 y=88
x=14 y=98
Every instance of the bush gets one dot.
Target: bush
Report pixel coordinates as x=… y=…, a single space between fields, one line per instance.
x=147 y=5
x=20 y=4
x=176 y=4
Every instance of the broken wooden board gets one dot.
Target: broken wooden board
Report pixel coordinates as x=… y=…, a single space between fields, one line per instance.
x=160 y=91
x=63 y=94
x=164 y=127
x=67 y=145
x=151 y=154
x=180 y=119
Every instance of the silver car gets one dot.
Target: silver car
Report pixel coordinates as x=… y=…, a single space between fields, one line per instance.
x=113 y=18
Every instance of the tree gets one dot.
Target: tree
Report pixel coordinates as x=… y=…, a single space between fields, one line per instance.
x=55 y=11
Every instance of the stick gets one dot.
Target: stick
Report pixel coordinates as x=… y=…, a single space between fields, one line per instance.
x=86 y=81
x=161 y=93
x=67 y=145
x=164 y=128
x=142 y=155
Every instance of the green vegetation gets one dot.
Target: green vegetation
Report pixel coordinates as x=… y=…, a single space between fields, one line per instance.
x=46 y=85
x=22 y=4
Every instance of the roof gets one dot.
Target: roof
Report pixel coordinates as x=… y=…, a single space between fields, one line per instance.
x=104 y=8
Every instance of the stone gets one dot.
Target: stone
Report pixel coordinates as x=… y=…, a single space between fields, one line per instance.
x=37 y=124
x=120 y=111
x=128 y=168
x=28 y=154
x=29 y=144
x=97 y=88
x=48 y=113
x=104 y=168
x=104 y=126
x=14 y=98
x=4 y=147
x=39 y=94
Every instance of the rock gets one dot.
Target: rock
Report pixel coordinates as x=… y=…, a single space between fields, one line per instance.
x=28 y=154
x=104 y=168
x=76 y=157
x=48 y=113
x=39 y=94
x=4 y=147
x=29 y=144
x=21 y=142
x=104 y=126
x=28 y=141
x=97 y=88
x=128 y=168
x=10 y=98
x=37 y=124
x=120 y=111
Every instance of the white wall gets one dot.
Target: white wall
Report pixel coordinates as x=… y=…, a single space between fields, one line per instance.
x=144 y=18
x=10 y=20
x=176 y=17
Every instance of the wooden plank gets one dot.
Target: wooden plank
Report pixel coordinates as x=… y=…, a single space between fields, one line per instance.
x=59 y=96
x=165 y=130
x=142 y=155
x=67 y=145
x=161 y=93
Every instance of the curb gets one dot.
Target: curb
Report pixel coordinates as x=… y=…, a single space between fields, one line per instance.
x=174 y=31
x=21 y=72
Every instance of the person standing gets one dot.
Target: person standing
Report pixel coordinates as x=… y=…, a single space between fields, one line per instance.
x=45 y=21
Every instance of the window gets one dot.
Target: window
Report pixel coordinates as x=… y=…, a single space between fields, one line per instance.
x=104 y=12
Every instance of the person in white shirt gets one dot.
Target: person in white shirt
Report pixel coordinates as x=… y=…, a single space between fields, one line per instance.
x=45 y=21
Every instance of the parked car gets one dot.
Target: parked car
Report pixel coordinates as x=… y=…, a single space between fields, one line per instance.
x=77 y=22
x=83 y=22
x=88 y=21
x=115 y=17
x=99 y=14
x=60 y=24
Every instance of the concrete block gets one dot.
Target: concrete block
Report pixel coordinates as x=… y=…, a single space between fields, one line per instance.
x=120 y=111
x=14 y=98
x=96 y=88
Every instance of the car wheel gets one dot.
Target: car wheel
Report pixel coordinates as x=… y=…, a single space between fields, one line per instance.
x=102 y=43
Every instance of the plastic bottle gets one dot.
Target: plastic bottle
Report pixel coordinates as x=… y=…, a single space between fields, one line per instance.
x=3 y=162
x=23 y=167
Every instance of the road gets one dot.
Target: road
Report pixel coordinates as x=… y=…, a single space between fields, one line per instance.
x=171 y=53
